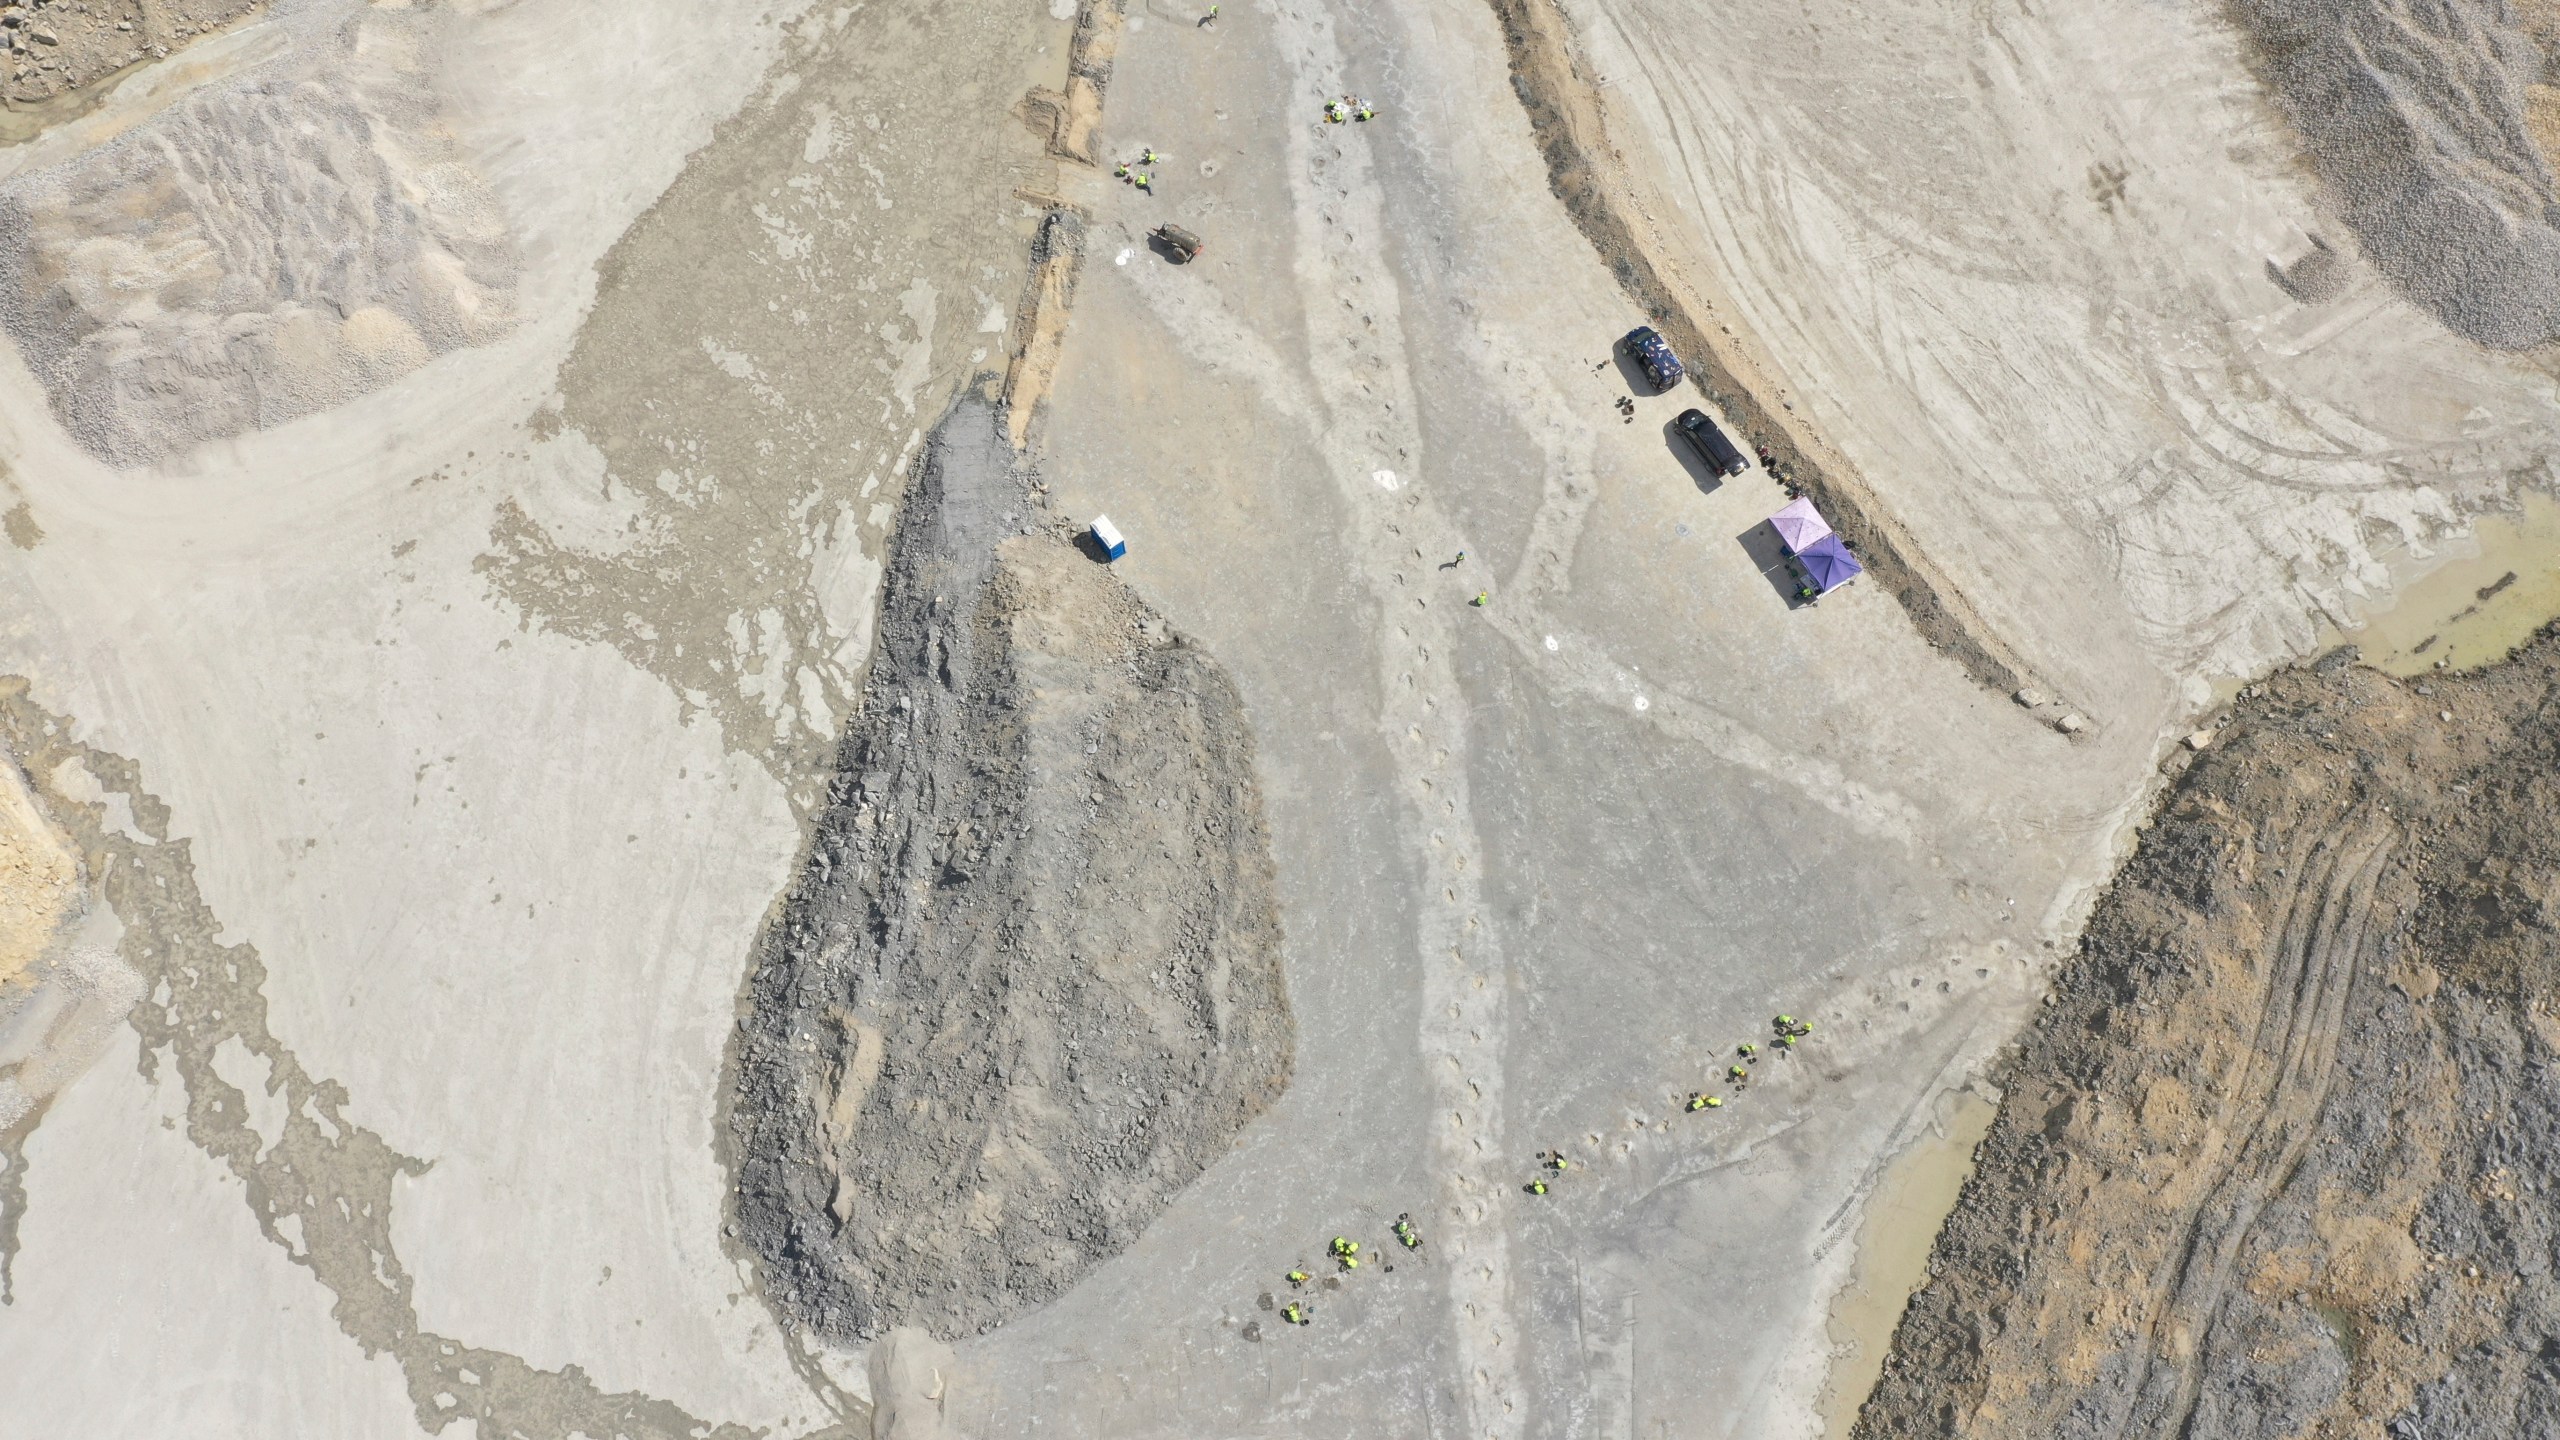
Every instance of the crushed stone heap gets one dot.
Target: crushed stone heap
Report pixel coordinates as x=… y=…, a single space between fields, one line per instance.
x=1029 y=983
x=2433 y=128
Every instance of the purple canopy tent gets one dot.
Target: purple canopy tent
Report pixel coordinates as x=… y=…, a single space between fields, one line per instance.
x=1799 y=525
x=1828 y=564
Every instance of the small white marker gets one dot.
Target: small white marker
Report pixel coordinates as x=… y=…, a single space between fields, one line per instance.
x=1123 y=257
x=1386 y=479
x=1642 y=704
x=1551 y=642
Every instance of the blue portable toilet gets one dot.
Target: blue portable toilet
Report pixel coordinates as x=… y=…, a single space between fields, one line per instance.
x=1107 y=535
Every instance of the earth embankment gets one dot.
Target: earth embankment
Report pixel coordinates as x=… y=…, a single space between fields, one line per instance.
x=2273 y=1161
x=1029 y=982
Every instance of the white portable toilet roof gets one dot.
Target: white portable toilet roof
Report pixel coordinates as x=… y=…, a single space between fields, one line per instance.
x=1106 y=532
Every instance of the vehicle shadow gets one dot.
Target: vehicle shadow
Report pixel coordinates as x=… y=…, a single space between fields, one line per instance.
x=1769 y=557
x=1631 y=372
x=1706 y=477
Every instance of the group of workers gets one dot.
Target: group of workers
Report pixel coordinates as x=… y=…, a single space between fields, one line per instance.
x=1785 y=1031
x=1346 y=1259
x=1349 y=107
x=1136 y=172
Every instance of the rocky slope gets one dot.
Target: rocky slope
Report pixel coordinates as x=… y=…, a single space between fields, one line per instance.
x=54 y=46
x=2275 y=1160
x=1029 y=984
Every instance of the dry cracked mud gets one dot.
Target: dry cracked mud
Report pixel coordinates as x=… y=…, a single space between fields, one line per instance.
x=2273 y=1161
x=1028 y=984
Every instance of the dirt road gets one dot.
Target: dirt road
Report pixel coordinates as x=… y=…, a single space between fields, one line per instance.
x=1543 y=862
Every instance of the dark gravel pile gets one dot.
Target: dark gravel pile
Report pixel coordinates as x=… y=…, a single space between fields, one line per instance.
x=2415 y=113
x=1029 y=984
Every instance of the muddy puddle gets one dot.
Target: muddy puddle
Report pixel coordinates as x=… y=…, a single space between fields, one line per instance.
x=22 y=121
x=2502 y=585
x=1918 y=1190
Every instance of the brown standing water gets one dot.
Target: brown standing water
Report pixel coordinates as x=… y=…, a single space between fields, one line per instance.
x=2472 y=610
x=1918 y=1190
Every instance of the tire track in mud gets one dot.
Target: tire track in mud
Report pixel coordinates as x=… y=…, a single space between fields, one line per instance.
x=321 y=1188
x=2271 y=1115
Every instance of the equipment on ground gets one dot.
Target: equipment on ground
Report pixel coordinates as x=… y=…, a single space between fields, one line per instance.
x=1828 y=564
x=1654 y=354
x=1107 y=535
x=1799 y=525
x=1181 y=244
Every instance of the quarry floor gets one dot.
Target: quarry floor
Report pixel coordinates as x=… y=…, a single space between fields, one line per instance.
x=484 y=710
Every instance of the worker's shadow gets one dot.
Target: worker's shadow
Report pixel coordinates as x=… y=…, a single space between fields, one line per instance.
x=1706 y=477
x=1769 y=557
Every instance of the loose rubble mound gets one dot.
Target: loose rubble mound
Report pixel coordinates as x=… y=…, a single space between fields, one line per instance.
x=2274 y=1161
x=275 y=244
x=2433 y=127
x=1029 y=983
x=53 y=46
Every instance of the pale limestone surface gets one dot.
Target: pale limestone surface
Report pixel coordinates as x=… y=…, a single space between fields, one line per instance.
x=148 y=1303
x=503 y=851
x=286 y=632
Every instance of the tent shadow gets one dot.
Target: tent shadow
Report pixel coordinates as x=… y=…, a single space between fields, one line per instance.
x=1769 y=557
x=1706 y=477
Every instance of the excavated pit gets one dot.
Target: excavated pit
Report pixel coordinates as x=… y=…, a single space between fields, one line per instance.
x=2276 y=1160
x=1028 y=984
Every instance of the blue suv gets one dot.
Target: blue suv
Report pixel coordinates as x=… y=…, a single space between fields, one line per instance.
x=1654 y=353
